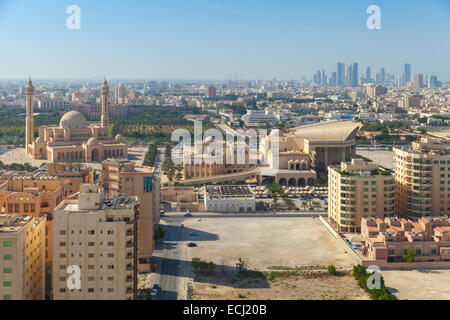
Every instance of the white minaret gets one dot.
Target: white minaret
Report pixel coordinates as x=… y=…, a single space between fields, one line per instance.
x=29 y=131
x=105 y=93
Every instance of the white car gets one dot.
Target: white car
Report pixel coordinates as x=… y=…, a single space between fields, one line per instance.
x=154 y=292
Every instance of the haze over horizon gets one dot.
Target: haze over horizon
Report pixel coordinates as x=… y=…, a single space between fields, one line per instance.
x=209 y=40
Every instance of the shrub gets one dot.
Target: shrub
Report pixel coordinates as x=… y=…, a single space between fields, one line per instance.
x=359 y=272
x=332 y=270
x=409 y=255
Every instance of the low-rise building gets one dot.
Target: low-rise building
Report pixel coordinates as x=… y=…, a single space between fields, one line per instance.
x=389 y=239
x=229 y=199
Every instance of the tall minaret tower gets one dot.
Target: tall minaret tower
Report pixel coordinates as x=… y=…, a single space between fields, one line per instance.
x=105 y=93
x=29 y=132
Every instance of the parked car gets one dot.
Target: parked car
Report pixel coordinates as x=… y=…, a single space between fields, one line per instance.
x=154 y=292
x=191 y=244
x=188 y=215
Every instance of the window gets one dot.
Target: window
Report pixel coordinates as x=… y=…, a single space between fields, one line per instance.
x=7 y=257
x=7 y=297
x=7 y=270
x=7 y=283
x=7 y=244
x=148 y=184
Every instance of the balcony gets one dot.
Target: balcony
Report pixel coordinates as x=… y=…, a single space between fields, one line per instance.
x=129 y=244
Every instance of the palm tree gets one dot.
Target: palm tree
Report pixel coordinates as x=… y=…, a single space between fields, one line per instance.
x=305 y=205
x=275 y=201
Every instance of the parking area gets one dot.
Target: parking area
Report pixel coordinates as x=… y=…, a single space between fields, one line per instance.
x=264 y=242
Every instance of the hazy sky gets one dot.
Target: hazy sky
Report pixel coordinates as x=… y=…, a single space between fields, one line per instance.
x=209 y=39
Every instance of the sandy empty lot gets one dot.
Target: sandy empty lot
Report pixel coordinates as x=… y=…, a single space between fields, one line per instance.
x=418 y=285
x=265 y=242
x=291 y=288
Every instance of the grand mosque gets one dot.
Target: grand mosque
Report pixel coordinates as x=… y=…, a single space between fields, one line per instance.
x=73 y=140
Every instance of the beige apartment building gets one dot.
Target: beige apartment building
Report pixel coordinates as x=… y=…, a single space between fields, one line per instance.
x=22 y=260
x=422 y=178
x=358 y=189
x=98 y=236
x=124 y=177
x=35 y=196
x=75 y=173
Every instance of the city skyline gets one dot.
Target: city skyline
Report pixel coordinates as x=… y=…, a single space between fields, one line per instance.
x=203 y=40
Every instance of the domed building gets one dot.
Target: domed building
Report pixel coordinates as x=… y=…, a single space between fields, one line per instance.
x=73 y=140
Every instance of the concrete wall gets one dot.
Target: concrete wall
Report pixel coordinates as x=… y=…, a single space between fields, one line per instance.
x=342 y=243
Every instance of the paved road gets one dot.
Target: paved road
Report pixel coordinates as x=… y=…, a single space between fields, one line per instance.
x=170 y=257
x=159 y=160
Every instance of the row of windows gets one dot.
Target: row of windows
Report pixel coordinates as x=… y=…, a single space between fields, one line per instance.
x=27 y=207
x=90 y=267
x=90 y=244
x=90 y=290
x=90 y=255
x=90 y=232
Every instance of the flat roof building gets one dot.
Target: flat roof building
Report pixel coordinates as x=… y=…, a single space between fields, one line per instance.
x=422 y=178
x=357 y=189
x=387 y=240
x=22 y=259
x=229 y=199
x=98 y=236
x=124 y=177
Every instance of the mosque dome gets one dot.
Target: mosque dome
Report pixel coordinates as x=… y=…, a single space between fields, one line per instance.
x=93 y=142
x=73 y=120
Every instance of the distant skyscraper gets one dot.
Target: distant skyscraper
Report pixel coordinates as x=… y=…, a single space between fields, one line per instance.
x=407 y=74
x=353 y=75
x=383 y=75
x=340 y=73
x=120 y=91
x=333 y=79
x=368 y=74
x=418 y=81
x=211 y=92
x=432 y=81
x=323 y=78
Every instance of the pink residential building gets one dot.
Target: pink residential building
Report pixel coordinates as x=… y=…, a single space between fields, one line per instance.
x=386 y=241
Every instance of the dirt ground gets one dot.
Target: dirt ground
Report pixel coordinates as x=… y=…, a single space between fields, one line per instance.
x=302 y=246
x=323 y=287
x=265 y=242
x=418 y=284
